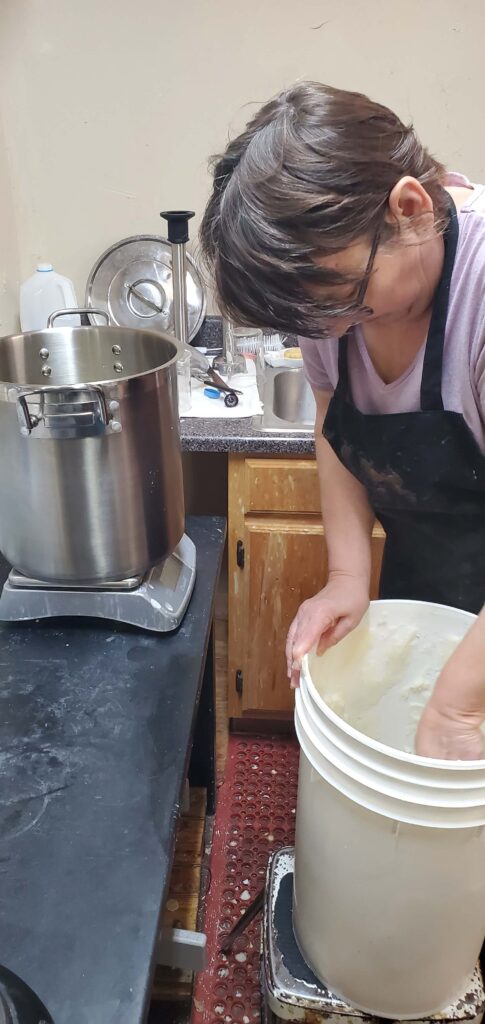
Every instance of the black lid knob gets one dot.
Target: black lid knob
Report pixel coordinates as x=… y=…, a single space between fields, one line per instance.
x=178 y=224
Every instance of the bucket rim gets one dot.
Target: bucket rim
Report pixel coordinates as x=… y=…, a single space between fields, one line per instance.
x=433 y=763
x=402 y=810
x=411 y=794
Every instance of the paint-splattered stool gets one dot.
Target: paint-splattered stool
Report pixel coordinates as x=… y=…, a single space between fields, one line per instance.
x=291 y=992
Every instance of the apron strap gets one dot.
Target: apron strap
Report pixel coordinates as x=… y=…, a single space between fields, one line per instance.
x=342 y=388
x=431 y=398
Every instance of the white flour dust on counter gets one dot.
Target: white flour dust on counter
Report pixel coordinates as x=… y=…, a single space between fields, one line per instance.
x=380 y=677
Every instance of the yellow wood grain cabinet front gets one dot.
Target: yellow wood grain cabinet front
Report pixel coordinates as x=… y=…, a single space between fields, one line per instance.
x=277 y=559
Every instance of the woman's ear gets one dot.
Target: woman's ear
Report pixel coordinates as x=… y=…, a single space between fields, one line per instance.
x=408 y=199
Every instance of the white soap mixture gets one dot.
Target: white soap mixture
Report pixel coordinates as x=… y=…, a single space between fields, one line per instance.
x=381 y=676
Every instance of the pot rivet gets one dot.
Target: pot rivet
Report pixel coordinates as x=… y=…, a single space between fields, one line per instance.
x=24 y=431
x=114 y=406
x=116 y=349
x=118 y=367
x=115 y=426
x=44 y=353
x=46 y=371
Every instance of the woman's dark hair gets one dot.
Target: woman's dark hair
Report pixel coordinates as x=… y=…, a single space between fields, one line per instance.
x=310 y=175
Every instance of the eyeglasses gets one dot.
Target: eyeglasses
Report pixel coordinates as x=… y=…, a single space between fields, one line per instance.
x=369 y=268
x=357 y=309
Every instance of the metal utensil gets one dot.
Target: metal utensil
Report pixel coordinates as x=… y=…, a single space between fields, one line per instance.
x=212 y=379
x=178 y=236
x=255 y=908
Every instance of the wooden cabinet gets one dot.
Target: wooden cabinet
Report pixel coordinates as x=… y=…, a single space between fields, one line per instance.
x=277 y=559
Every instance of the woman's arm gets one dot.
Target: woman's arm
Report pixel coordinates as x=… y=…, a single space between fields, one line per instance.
x=325 y=619
x=450 y=725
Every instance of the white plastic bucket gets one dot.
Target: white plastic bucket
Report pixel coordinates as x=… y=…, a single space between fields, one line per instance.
x=389 y=901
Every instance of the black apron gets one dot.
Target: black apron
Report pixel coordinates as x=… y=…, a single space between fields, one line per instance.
x=424 y=474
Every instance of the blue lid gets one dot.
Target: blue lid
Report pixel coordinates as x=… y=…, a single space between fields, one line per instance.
x=212 y=393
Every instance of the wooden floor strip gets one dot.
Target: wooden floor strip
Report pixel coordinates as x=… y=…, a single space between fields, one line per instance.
x=182 y=905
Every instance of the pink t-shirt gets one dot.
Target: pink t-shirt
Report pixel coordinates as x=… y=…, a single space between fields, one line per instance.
x=463 y=380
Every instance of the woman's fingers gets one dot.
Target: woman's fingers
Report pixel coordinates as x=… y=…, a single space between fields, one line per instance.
x=312 y=627
x=305 y=633
x=289 y=646
x=333 y=636
x=295 y=675
x=325 y=619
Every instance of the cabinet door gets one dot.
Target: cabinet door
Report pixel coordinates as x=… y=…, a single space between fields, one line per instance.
x=281 y=486
x=285 y=563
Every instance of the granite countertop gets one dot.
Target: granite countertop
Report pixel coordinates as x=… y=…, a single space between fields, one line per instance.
x=231 y=435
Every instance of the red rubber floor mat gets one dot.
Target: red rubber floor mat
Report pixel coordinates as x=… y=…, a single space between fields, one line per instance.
x=255 y=815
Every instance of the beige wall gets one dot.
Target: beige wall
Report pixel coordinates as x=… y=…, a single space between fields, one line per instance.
x=9 y=257
x=111 y=107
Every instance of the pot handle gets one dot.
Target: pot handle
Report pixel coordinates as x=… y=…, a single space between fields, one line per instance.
x=69 y=312
x=65 y=418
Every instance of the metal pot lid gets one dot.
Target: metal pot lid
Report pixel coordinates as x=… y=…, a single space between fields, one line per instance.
x=132 y=281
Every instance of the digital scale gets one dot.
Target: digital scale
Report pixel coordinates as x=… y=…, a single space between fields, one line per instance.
x=156 y=601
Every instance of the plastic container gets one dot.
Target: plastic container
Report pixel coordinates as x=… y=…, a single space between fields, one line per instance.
x=289 y=358
x=389 y=902
x=44 y=293
x=184 y=381
x=230 y=361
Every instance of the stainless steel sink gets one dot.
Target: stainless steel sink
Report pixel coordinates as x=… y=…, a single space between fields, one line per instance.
x=288 y=401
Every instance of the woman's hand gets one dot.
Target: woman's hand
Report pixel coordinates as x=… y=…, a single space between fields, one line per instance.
x=325 y=619
x=451 y=721
x=449 y=736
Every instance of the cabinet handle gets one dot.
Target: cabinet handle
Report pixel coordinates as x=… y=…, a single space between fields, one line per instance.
x=240 y=554
x=239 y=682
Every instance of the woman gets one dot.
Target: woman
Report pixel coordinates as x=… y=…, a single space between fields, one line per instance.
x=329 y=219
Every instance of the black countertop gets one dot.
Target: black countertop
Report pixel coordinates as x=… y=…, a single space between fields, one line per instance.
x=232 y=435
x=96 y=723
